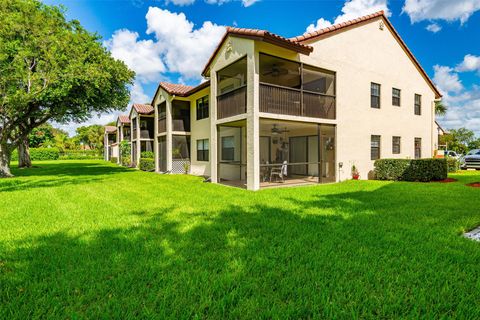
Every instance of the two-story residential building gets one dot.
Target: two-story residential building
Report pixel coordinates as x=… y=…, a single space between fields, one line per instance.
x=142 y=130
x=123 y=132
x=278 y=111
x=110 y=143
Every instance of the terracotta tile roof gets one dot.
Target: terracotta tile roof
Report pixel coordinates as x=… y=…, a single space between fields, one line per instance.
x=143 y=108
x=110 y=129
x=180 y=89
x=175 y=89
x=124 y=118
x=337 y=27
x=260 y=35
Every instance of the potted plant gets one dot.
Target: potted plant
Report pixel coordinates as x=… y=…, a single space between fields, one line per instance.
x=355 y=173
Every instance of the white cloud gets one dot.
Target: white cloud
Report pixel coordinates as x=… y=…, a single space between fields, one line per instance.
x=434 y=27
x=352 y=9
x=447 y=79
x=449 y=10
x=248 y=3
x=356 y=8
x=142 y=56
x=469 y=63
x=463 y=103
x=184 y=50
x=321 y=23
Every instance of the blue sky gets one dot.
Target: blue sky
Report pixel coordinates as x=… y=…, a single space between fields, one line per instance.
x=444 y=35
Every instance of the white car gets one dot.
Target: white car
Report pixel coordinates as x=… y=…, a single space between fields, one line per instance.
x=452 y=154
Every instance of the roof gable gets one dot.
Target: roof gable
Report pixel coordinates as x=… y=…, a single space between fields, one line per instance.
x=344 y=26
x=258 y=35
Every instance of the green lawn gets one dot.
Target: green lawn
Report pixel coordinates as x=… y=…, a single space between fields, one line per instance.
x=93 y=240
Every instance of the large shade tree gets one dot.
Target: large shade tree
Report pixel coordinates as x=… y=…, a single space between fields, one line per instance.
x=51 y=69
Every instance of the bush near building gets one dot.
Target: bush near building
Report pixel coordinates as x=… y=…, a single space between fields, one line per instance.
x=147 y=164
x=422 y=170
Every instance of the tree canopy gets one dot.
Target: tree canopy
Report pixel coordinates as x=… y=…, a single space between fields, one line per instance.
x=52 y=69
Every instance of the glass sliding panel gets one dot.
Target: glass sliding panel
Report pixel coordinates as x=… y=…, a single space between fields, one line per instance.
x=328 y=153
x=232 y=153
x=298 y=154
x=312 y=155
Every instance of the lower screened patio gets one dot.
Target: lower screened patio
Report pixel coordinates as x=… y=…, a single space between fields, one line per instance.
x=291 y=153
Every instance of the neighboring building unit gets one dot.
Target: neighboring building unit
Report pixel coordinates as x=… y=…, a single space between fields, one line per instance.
x=123 y=133
x=110 y=143
x=142 y=130
x=279 y=111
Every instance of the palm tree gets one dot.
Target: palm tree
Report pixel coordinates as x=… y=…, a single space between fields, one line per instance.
x=440 y=108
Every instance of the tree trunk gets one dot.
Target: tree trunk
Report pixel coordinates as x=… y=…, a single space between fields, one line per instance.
x=24 y=154
x=5 y=154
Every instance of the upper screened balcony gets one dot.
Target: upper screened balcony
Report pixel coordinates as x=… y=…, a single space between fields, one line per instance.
x=232 y=89
x=292 y=88
x=286 y=87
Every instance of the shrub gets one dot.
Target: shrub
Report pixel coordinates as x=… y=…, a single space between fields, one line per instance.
x=147 y=164
x=453 y=165
x=39 y=154
x=423 y=170
x=81 y=155
x=126 y=161
x=147 y=155
x=113 y=159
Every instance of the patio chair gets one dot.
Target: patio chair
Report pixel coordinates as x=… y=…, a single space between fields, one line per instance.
x=279 y=172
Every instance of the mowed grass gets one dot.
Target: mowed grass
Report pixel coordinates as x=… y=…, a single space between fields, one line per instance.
x=93 y=240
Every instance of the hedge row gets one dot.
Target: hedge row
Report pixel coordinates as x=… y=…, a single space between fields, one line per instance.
x=38 y=154
x=113 y=159
x=79 y=157
x=147 y=164
x=423 y=170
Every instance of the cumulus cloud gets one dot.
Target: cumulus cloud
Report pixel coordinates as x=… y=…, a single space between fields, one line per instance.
x=434 y=27
x=183 y=49
x=352 y=9
x=449 y=10
x=463 y=103
x=321 y=23
x=142 y=56
x=446 y=79
x=469 y=63
x=178 y=48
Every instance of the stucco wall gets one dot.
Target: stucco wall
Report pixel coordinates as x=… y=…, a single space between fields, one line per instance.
x=360 y=56
x=200 y=129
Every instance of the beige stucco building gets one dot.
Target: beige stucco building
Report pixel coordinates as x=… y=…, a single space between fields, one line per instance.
x=278 y=111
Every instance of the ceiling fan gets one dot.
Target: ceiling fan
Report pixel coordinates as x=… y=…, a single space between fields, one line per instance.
x=276 y=130
x=275 y=71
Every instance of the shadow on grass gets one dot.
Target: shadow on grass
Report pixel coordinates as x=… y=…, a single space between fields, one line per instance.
x=252 y=261
x=59 y=174
x=70 y=168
